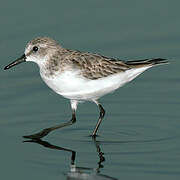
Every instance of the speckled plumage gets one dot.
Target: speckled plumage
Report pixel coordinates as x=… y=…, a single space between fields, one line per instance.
x=91 y=66
x=80 y=76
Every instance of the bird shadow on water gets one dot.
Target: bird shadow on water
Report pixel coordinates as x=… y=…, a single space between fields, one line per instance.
x=75 y=172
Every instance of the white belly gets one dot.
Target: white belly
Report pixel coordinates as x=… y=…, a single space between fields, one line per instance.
x=73 y=86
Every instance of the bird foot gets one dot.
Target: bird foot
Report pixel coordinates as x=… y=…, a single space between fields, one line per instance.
x=93 y=136
x=39 y=135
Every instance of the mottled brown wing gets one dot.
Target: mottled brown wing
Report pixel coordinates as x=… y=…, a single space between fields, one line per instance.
x=94 y=66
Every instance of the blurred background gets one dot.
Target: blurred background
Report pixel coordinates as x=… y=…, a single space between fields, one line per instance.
x=140 y=133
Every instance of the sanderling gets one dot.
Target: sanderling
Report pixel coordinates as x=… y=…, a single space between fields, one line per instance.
x=80 y=76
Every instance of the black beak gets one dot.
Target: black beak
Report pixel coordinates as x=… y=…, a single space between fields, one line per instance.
x=17 y=61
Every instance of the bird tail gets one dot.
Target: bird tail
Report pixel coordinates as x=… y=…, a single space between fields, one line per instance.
x=148 y=62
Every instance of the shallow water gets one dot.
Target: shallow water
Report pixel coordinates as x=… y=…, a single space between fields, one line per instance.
x=139 y=137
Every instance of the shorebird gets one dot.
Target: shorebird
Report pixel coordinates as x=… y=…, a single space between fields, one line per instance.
x=80 y=76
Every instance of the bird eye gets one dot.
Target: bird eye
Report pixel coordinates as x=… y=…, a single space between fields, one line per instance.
x=35 y=48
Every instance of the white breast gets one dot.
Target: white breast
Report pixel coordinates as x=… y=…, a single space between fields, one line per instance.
x=73 y=86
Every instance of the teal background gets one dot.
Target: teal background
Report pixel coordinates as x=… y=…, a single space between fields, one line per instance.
x=140 y=133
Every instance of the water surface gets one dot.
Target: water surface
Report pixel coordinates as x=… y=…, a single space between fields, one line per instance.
x=139 y=137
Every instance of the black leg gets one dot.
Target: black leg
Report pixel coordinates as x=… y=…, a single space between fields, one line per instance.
x=101 y=115
x=46 y=131
x=100 y=153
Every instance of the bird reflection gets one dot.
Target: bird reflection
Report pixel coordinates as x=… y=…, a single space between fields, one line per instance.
x=75 y=172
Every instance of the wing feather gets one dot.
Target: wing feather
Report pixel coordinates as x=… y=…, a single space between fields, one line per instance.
x=94 y=66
